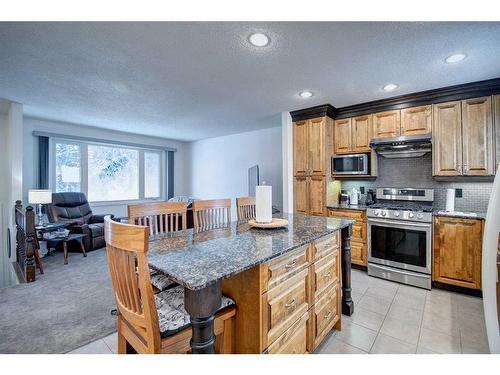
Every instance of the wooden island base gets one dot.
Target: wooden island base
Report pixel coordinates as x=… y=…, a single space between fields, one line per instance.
x=289 y=304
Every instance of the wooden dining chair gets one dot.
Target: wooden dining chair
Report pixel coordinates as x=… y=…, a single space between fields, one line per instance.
x=147 y=322
x=162 y=218
x=245 y=208
x=211 y=214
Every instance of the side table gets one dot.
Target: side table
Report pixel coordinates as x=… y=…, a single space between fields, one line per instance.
x=54 y=242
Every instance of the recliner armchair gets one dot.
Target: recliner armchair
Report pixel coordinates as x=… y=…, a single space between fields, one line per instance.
x=74 y=208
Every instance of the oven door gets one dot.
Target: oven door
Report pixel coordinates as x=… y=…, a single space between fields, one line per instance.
x=405 y=245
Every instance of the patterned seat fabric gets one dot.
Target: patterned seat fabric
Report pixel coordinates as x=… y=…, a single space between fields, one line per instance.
x=171 y=313
x=160 y=281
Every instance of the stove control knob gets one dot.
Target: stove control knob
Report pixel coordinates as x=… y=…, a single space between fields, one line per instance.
x=410 y=215
x=396 y=214
x=420 y=216
x=384 y=213
x=377 y=212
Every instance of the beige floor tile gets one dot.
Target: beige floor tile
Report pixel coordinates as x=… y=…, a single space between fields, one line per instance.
x=359 y=287
x=439 y=342
x=95 y=347
x=445 y=309
x=375 y=304
x=112 y=342
x=367 y=318
x=473 y=346
x=470 y=305
x=472 y=326
x=411 y=316
x=401 y=330
x=381 y=292
x=386 y=284
x=357 y=336
x=336 y=346
x=356 y=297
x=422 y=350
x=411 y=302
x=443 y=324
x=412 y=291
x=388 y=345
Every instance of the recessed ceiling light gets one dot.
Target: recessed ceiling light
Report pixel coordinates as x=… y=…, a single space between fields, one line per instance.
x=390 y=87
x=259 y=39
x=457 y=57
x=305 y=94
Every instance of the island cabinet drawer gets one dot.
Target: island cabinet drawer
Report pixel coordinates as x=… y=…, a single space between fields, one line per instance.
x=283 y=305
x=285 y=266
x=358 y=253
x=325 y=273
x=324 y=315
x=325 y=246
x=359 y=232
x=294 y=340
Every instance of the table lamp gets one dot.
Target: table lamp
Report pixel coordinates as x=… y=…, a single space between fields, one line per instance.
x=39 y=197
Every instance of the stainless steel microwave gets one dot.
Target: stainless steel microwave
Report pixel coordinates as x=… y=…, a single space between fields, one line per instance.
x=350 y=164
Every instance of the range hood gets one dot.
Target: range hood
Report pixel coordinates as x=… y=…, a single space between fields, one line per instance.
x=403 y=147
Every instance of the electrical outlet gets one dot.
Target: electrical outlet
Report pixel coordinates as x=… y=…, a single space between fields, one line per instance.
x=458 y=193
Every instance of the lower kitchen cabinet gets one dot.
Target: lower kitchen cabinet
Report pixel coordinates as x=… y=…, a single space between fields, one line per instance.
x=457 y=251
x=359 y=254
x=289 y=304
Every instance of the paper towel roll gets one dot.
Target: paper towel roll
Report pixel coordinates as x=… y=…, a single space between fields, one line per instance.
x=263 y=204
x=450 y=200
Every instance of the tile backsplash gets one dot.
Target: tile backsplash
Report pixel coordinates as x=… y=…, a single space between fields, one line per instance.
x=417 y=172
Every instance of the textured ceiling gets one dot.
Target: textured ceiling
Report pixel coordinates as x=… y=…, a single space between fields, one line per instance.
x=191 y=81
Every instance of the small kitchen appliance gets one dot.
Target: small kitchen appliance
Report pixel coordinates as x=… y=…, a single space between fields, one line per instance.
x=357 y=164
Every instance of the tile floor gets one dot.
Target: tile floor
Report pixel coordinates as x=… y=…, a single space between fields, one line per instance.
x=390 y=318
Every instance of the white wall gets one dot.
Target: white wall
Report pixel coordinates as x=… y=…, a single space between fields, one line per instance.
x=30 y=164
x=219 y=166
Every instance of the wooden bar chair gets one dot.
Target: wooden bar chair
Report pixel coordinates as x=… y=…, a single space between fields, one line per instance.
x=245 y=208
x=211 y=214
x=147 y=322
x=162 y=218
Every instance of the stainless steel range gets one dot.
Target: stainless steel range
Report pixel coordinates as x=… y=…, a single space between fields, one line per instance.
x=400 y=236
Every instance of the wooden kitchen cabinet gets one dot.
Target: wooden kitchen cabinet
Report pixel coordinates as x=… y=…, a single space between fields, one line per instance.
x=313 y=145
x=343 y=137
x=477 y=137
x=457 y=251
x=463 y=138
x=386 y=124
x=416 y=120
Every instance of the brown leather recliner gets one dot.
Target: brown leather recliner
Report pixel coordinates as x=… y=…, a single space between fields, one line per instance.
x=74 y=208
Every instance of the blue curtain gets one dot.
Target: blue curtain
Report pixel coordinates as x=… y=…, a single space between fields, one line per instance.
x=43 y=162
x=170 y=174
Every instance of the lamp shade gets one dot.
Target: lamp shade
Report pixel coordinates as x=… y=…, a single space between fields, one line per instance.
x=36 y=196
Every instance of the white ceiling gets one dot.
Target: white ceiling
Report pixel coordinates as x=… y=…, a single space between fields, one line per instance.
x=191 y=81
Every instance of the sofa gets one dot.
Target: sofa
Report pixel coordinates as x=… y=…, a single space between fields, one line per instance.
x=75 y=209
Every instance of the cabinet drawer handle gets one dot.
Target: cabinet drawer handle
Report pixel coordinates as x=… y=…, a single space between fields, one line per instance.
x=328 y=315
x=290 y=265
x=328 y=275
x=290 y=304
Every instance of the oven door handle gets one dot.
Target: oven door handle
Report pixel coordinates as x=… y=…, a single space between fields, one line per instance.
x=400 y=223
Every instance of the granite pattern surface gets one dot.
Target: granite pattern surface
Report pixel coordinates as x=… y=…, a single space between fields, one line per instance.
x=196 y=260
x=465 y=215
x=357 y=207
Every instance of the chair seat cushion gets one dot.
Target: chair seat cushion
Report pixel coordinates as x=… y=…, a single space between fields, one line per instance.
x=97 y=230
x=160 y=281
x=171 y=313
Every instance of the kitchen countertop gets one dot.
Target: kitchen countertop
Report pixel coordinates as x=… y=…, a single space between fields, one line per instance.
x=196 y=260
x=436 y=212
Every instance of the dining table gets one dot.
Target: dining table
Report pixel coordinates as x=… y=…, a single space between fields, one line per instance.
x=200 y=260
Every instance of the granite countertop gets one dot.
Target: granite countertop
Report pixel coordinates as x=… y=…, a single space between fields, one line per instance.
x=196 y=260
x=361 y=207
x=460 y=214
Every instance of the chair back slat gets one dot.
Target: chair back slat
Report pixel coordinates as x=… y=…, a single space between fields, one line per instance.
x=245 y=208
x=126 y=247
x=211 y=214
x=160 y=217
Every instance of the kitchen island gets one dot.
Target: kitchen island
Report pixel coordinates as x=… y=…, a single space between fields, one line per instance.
x=201 y=261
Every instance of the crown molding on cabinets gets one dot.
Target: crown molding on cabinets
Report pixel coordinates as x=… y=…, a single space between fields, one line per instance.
x=444 y=94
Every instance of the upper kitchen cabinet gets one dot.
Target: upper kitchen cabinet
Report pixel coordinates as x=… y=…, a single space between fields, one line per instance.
x=312 y=144
x=496 y=111
x=386 y=124
x=477 y=134
x=353 y=134
x=447 y=139
x=416 y=120
x=463 y=138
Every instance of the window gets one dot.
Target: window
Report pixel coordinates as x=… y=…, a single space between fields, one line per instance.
x=67 y=167
x=107 y=172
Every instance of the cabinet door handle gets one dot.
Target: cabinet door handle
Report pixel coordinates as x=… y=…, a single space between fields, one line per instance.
x=290 y=304
x=327 y=315
x=328 y=275
x=290 y=265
